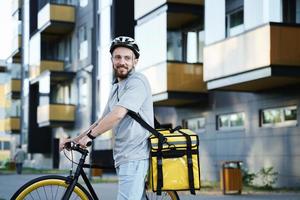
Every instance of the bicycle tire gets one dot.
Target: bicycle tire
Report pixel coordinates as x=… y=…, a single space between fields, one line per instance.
x=49 y=187
x=166 y=195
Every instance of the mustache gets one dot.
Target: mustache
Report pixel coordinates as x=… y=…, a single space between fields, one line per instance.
x=121 y=66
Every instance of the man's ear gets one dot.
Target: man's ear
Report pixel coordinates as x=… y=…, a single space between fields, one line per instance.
x=135 y=61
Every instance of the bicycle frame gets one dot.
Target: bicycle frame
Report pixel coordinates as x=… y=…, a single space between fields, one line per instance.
x=80 y=172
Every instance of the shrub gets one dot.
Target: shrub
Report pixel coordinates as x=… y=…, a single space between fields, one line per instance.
x=268 y=177
x=248 y=177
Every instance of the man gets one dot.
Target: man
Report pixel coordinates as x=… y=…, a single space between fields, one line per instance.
x=130 y=91
x=19 y=158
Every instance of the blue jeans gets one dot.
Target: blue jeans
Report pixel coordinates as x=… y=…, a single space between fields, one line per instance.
x=19 y=167
x=132 y=177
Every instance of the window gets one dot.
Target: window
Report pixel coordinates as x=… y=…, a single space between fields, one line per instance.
x=6 y=145
x=231 y=121
x=68 y=2
x=298 y=11
x=83 y=92
x=234 y=17
x=57 y=50
x=195 y=124
x=83 y=43
x=61 y=94
x=174 y=46
x=15 y=108
x=291 y=11
x=83 y=3
x=185 y=46
x=283 y=116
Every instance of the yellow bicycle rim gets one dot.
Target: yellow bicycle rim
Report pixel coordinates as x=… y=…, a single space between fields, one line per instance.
x=47 y=182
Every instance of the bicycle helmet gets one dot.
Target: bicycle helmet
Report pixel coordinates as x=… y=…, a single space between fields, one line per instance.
x=124 y=41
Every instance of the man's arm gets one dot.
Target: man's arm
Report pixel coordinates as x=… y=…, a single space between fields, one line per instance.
x=105 y=124
x=109 y=121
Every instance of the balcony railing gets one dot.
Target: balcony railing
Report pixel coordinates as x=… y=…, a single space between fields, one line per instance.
x=11 y=124
x=56 y=18
x=172 y=78
x=55 y=115
x=15 y=5
x=262 y=58
x=13 y=87
x=51 y=65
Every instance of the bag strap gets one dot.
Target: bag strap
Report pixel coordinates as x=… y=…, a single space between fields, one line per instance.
x=189 y=160
x=161 y=140
x=144 y=124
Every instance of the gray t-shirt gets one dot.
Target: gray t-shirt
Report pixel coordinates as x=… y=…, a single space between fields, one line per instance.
x=131 y=139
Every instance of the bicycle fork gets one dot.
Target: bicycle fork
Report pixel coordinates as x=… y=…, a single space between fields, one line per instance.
x=74 y=180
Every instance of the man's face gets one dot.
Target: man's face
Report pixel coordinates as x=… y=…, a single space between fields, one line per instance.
x=123 y=60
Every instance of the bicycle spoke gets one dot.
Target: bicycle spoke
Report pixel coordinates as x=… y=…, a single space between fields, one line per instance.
x=45 y=193
x=56 y=192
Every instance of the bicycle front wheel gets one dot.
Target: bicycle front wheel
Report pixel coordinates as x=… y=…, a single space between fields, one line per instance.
x=49 y=187
x=166 y=195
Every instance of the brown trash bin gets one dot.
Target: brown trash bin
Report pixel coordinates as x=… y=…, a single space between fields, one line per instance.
x=231 y=177
x=11 y=165
x=97 y=172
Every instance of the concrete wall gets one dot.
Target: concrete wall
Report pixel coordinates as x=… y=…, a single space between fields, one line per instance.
x=256 y=146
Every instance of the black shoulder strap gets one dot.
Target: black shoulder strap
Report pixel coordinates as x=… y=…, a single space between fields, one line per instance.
x=144 y=124
x=161 y=140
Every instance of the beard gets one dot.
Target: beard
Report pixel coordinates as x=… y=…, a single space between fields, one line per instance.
x=122 y=72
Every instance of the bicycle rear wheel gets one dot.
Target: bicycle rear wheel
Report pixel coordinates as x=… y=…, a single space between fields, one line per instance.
x=49 y=187
x=167 y=195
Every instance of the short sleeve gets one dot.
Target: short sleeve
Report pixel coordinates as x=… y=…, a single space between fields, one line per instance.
x=134 y=95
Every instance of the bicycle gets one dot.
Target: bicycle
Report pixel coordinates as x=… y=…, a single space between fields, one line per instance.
x=61 y=187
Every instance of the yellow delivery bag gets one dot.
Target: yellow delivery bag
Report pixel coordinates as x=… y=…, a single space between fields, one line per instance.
x=174 y=162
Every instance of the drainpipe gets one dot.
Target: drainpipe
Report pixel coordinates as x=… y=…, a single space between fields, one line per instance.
x=94 y=42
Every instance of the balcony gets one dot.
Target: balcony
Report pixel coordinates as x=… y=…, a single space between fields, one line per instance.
x=51 y=65
x=56 y=19
x=264 y=58
x=14 y=88
x=11 y=124
x=15 y=6
x=3 y=66
x=56 y=115
x=175 y=83
x=142 y=8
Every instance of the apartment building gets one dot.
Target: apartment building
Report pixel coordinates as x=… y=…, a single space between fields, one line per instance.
x=60 y=51
x=10 y=83
x=229 y=70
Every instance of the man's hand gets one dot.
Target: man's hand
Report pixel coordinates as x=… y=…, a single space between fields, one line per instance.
x=84 y=141
x=63 y=142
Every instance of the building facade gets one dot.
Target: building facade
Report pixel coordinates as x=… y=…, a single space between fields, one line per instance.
x=230 y=75
x=214 y=66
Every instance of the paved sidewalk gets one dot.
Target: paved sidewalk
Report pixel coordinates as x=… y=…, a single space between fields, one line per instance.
x=108 y=191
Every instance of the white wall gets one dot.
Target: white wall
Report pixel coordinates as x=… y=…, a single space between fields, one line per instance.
x=142 y=7
x=253 y=13
x=105 y=66
x=214 y=20
x=275 y=10
x=258 y=12
x=151 y=37
x=6 y=33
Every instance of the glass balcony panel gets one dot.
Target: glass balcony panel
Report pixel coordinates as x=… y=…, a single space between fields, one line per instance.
x=55 y=113
x=13 y=86
x=51 y=65
x=261 y=47
x=11 y=124
x=56 y=18
x=185 y=77
x=179 y=77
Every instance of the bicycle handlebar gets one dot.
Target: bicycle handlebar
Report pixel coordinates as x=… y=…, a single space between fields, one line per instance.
x=76 y=147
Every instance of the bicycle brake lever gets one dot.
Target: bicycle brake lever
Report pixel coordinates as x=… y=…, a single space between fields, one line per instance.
x=68 y=145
